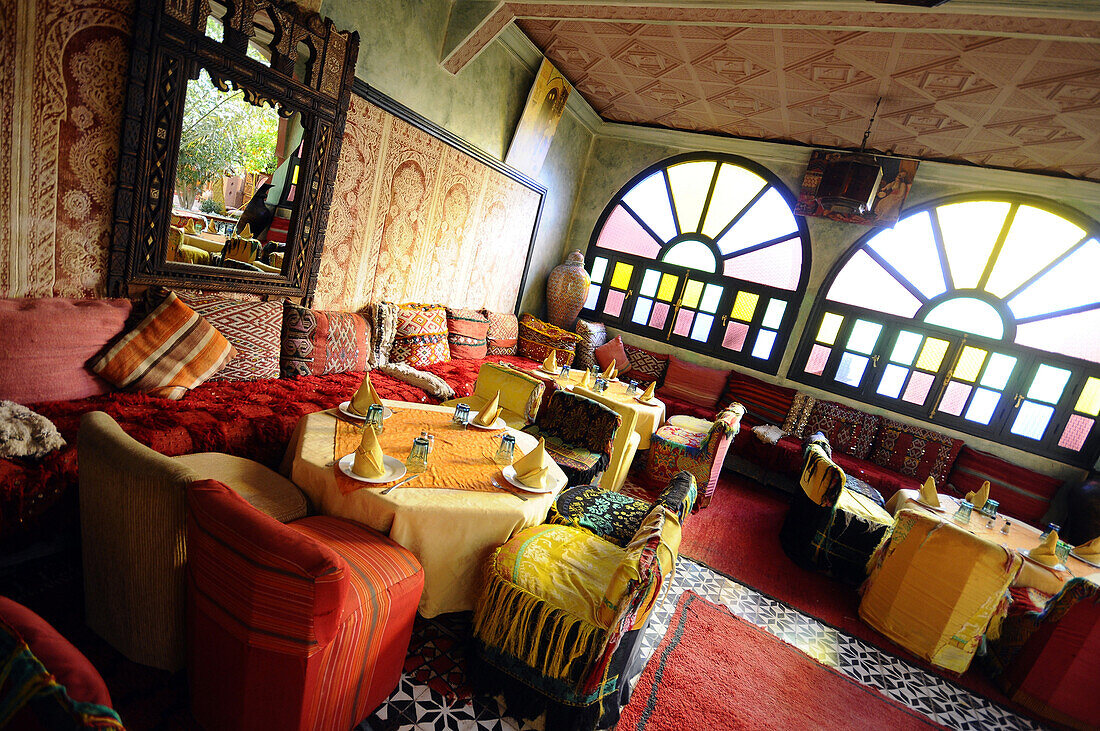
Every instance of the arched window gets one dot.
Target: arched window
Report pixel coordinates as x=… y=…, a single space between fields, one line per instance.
x=705 y=252
x=981 y=313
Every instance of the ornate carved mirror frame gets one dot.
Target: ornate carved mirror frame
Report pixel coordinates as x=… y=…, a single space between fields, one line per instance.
x=171 y=47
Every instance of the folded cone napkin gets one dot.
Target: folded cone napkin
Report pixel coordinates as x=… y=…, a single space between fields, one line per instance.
x=189 y=227
x=246 y=233
x=928 y=494
x=489 y=412
x=610 y=372
x=364 y=397
x=648 y=394
x=368 y=457
x=977 y=499
x=550 y=365
x=586 y=380
x=1044 y=552
x=533 y=469
x=1090 y=551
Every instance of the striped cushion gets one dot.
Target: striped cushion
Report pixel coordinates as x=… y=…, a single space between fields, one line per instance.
x=765 y=403
x=1022 y=493
x=171 y=351
x=466 y=333
x=693 y=383
x=280 y=226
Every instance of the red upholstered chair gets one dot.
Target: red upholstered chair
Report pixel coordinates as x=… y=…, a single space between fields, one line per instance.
x=695 y=445
x=1048 y=660
x=303 y=625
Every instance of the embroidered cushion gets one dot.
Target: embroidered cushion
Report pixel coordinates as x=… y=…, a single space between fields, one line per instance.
x=467 y=332
x=914 y=451
x=694 y=383
x=795 y=423
x=421 y=338
x=503 y=333
x=538 y=338
x=592 y=335
x=613 y=350
x=317 y=342
x=171 y=351
x=252 y=328
x=848 y=430
x=646 y=365
x=611 y=515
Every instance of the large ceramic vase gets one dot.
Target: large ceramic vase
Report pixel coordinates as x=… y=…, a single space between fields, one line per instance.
x=566 y=291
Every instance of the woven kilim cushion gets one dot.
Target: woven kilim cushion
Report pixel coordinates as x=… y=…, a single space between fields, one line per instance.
x=503 y=333
x=538 y=338
x=317 y=342
x=421 y=338
x=253 y=328
x=848 y=430
x=592 y=335
x=646 y=365
x=915 y=451
x=466 y=333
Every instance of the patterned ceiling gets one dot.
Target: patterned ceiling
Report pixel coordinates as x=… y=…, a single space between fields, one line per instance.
x=1002 y=92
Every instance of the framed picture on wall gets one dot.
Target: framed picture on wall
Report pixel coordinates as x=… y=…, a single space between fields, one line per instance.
x=535 y=131
x=897 y=179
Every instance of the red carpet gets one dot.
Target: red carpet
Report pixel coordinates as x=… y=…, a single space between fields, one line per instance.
x=716 y=671
x=738 y=536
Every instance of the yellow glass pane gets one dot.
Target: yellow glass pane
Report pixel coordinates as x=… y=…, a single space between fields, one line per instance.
x=970 y=363
x=830 y=326
x=691 y=294
x=668 y=287
x=744 y=306
x=621 y=278
x=1089 y=401
x=931 y=355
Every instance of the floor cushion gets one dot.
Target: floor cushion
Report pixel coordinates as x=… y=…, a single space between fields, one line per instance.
x=467 y=333
x=421 y=337
x=316 y=342
x=252 y=328
x=503 y=334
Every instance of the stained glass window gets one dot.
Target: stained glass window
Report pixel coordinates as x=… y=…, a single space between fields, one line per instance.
x=977 y=313
x=706 y=253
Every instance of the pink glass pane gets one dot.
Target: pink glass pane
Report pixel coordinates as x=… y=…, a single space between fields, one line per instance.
x=779 y=265
x=614 y=304
x=919 y=386
x=1077 y=431
x=660 y=314
x=954 y=398
x=683 y=322
x=1065 y=335
x=819 y=356
x=736 y=332
x=622 y=233
x=863 y=283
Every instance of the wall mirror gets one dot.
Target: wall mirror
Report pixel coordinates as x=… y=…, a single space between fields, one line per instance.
x=230 y=142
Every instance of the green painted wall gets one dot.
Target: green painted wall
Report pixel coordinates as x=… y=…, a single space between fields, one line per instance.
x=399 y=49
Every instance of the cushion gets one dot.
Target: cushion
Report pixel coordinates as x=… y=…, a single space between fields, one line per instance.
x=1022 y=493
x=46 y=343
x=657 y=539
x=24 y=433
x=646 y=365
x=538 y=338
x=383 y=330
x=765 y=403
x=801 y=406
x=503 y=334
x=914 y=451
x=467 y=333
x=848 y=430
x=318 y=342
x=171 y=351
x=421 y=337
x=694 y=383
x=252 y=328
x=263 y=488
x=592 y=335
x=613 y=350
x=611 y=515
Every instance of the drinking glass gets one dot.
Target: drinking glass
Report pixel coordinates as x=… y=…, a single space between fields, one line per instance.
x=989 y=510
x=374 y=418
x=962 y=515
x=632 y=388
x=418 y=457
x=506 y=450
x=565 y=373
x=1062 y=551
x=462 y=414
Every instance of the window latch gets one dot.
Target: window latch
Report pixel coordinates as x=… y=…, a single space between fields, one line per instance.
x=874 y=361
x=1018 y=400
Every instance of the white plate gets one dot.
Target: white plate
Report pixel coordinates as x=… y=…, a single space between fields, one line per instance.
x=395 y=469
x=1055 y=567
x=346 y=410
x=1081 y=558
x=938 y=508
x=654 y=402
x=544 y=372
x=510 y=475
x=498 y=424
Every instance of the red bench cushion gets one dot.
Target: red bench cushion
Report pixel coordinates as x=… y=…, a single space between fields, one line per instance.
x=1022 y=493
x=693 y=383
x=765 y=403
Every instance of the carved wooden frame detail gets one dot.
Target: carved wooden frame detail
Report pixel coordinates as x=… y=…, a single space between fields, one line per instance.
x=170 y=46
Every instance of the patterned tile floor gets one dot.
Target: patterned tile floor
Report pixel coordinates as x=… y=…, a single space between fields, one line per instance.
x=433 y=693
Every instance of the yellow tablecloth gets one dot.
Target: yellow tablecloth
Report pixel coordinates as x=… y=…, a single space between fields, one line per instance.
x=451 y=532
x=650 y=416
x=1021 y=537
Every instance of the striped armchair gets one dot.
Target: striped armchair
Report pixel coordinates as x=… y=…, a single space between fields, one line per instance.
x=695 y=445
x=296 y=626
